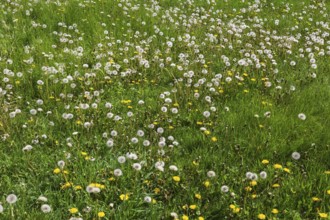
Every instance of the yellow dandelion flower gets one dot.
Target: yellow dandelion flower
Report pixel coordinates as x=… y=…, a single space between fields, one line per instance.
x=253 y=183
x=57 y=171
x=185 y=217
x=207 y=132
x=253 y=196
x=236 y=210
x=287 y=170
x=265 y=161
x=156 y=190
x=198 y=196
x=276 y=185
x=277 y=166
x=323 y=215
x=248 y=189
x=176 y=178
x=73 y=210
x=261 y=216
x=100 y=214
x=214 y=139
x=275 y=211
x=124 y=197
x=199 y=123
x=83 y=153
x=65 y=171
x=193 y=207
x=206 y=183
x=201 y=218
x=154 y=201
x=328 y=191
x=66 y=185
x=78 y=187
x=327 y=172
x=112 y=179
x=316 y=199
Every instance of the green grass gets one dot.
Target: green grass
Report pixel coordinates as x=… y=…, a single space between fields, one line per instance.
x=128 y=40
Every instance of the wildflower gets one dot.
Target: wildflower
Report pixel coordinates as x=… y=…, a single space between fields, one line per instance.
x=295 y=155
x=302 y=116
x=198 y=196
x=117 y=172
x=248 y=189
x=27 y=148
x=211 y=174
x=206 y=183
x=78 y=187
x=56 y=171
x=1 y=208
x=276 y=185
x=173 y=168
x=214 y=139
x=11 y=199
x=224 y=188
x=253 y=183
x=200 y=218
x=185 y=217
x=42 y=199
x=193 y=207
x=316 y=199
x=100 y=214
x=124 y=197
x=328 y=192
x=261 y=216
x=323 y=215
x=46 y=208
x=73 y=210
x=174 y=215
x=275 y=211
x=277 y=166
x=147 y=199
x=176 y=178
x=287 y=170
x=263 y=175
x=265 y=161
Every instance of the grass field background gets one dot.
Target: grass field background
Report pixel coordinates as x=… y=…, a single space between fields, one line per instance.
x=164 y=109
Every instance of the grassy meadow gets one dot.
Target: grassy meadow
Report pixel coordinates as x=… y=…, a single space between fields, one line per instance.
x=146 y=109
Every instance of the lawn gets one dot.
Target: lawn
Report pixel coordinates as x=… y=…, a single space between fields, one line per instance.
x=197 y=109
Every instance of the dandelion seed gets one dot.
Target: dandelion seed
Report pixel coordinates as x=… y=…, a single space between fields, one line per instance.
x=263 y=175
x=173 y=168
x=147 y=199
x=295 y=155
x=46 y=208
x=137 y=166
x=224 y=189
x=121 y=159
x=42 y=198
x=302 y=116
x=27 y=148
x=1 y=208
x=117 y=172
x=11 y=198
